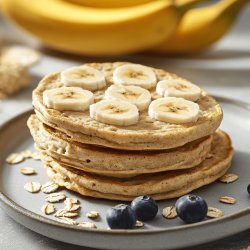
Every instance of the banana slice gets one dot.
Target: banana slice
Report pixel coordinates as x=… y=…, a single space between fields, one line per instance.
x=174 y=110
x=134 y=74
x=133 y=94
x=85 y=77
x=68 y=98
x=178 y=88
x=114 y=112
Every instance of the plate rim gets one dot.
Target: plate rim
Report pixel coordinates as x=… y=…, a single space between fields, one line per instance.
x=32 y=215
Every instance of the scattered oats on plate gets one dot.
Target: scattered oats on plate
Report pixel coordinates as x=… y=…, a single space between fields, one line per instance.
x=87 y=225
x=71 y=207
x=65 y=213
x=48 y=208
x=66 y=220
x=139 y=223
x=32 y=187
x=55 y=197
x=15 y=158
x=28 y=171
x=92 y=215
x=228 y=178
x=26 y=154
x=214 y=212
x=49 y=187
x=71 y=201
x=36 y=156
x=227 y=200
x=169 y=212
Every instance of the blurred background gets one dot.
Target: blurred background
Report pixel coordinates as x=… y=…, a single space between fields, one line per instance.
x=207 y=42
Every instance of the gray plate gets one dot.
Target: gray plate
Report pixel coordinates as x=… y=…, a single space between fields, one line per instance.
x=158 y=234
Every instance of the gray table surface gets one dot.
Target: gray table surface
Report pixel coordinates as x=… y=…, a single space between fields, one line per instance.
x=224 y=71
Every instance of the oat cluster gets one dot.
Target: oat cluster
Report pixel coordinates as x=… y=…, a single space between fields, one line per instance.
x=13 y=77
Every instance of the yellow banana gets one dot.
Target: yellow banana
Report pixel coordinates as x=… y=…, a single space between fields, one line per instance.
x=200 y=28
x=97 y=31
x=109 y=3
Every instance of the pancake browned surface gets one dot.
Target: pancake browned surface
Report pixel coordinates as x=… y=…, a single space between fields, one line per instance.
x=112 y=162
x=165 y=185
x=145 y=135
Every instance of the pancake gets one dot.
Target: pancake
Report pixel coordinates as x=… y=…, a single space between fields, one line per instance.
x=147 y=134
x=110 y=162
x=164 y=185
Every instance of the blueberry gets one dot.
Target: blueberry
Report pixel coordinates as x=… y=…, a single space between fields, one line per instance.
x=248 y=189
x=121 y=217
x=145 y=208
x=191 y=208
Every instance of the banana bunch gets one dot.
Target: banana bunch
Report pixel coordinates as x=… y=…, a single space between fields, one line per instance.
x=74 y=27
x=202 y=27
x=116 y=27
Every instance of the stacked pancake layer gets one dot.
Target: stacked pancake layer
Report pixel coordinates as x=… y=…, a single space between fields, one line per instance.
x=162 y=159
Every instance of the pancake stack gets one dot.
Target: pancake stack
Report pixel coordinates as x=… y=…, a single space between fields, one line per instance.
x=120 y=130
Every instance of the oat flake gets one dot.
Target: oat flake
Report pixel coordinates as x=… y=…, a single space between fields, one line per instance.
x=28 y=171
x=32 y=187
x=71 y=200
x=36 y=156
x=169 y=212
x=228 y=178
x=139 y=223
x=65 y=213
x=49 y=187
x=92 y=214
x=228 y=200
x=55 y=197
x=214 y=212
x=87 y=225
x=15 y=158
x=48 y=209
x=66 y=220
x=71 y=207
x=26 y=154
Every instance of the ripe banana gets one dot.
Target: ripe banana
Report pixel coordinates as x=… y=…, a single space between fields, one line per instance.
x=202 y=27
x=109 y=3
x=83 y=76
x=114 y=112
x=174 y=110
x=134 y=74
x=132 y=94
x=68 y=98
x=178 y=88
x=98 y=31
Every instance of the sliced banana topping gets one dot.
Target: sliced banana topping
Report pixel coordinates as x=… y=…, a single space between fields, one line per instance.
x=68 y=98
x=174 y=110
x=133 y=94
x=114 y=112
x=178 y=88
x=134 y=74
x=84 y=76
